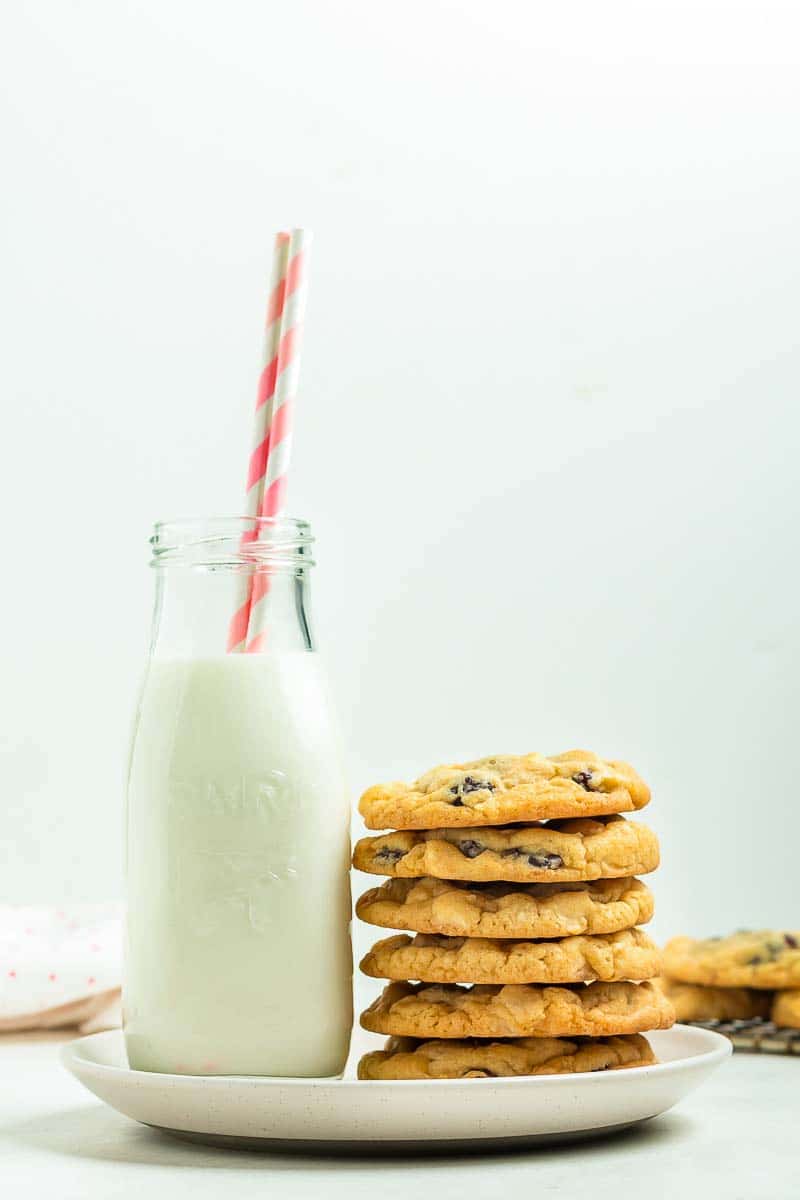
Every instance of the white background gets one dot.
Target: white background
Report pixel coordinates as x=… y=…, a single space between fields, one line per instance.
x=548 y=426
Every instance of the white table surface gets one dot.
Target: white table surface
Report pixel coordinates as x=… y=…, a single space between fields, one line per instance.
x=737 y=1138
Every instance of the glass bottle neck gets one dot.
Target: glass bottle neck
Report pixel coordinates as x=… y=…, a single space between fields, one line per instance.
x=193 y=611
x=231 y=585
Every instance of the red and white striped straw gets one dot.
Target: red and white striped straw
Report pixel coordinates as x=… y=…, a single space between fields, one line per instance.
x=257 y=466
x=280 y=435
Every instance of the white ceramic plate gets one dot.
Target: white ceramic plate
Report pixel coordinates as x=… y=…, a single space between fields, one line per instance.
x=350 y=1114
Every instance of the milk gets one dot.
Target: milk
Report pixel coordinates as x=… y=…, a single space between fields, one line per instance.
x=238 y=956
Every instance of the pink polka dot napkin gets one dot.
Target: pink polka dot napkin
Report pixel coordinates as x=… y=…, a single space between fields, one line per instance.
x=60 y=967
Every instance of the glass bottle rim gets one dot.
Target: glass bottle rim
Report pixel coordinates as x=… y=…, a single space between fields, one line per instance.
x=274 y=542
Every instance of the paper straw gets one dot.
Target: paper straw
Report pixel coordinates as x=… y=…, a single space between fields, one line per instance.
x=280 y=440
x=257 y=467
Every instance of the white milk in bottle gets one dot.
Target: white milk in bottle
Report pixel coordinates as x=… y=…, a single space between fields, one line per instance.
x=238 y=957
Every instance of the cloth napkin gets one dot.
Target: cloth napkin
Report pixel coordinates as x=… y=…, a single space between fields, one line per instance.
x=60 y=967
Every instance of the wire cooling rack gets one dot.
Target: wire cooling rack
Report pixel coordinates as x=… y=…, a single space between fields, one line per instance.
x=756 y=1036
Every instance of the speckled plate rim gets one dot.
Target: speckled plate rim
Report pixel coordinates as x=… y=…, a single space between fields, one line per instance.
x=270 y=1111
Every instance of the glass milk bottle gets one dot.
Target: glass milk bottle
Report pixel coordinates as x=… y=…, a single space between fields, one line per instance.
x=238 y=955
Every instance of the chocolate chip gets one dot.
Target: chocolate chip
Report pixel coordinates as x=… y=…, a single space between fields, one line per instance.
x=387 y=855
x=470 y=848
x=456 y=803
x=585 y=779
x=791 y=941
x=755 y=960
x=470 y=784
x=547 y=862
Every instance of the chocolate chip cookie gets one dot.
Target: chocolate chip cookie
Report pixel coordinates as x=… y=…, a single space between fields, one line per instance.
x=517 y=1010
x=433 y=958
x=786 y=1009
x=506 y=788
x=557 y=852
x=507 y=910
x=408 y=1058
x=694 y=1002
x=763 y=958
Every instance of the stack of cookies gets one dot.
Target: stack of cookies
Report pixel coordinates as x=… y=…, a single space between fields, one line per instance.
x=737 y=978
x=516 y=877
